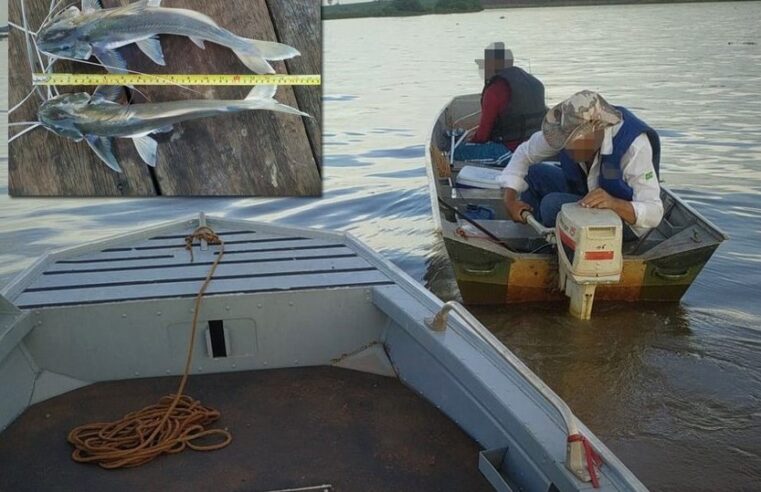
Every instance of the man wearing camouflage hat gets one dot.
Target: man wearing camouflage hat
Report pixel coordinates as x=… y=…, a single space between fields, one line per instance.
x=609 y=159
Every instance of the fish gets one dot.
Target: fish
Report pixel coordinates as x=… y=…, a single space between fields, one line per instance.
x=99 y=118
x=80 y=34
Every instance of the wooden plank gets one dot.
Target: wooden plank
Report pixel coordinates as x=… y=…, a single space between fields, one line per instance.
x=182 y=253
x=182 y=260
x=43 y=164
x=93 y=280
x=118 y=293
x=259 y=153
x=292 y=21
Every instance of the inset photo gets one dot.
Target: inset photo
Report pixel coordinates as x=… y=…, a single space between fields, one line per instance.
x=164 y=98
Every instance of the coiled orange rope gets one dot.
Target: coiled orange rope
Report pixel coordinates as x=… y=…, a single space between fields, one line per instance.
x=167 y=427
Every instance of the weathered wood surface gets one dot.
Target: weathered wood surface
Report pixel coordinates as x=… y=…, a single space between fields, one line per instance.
x=295 y=26
x=258 y=153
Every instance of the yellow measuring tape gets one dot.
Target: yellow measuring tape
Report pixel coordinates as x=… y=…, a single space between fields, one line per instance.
x=172 y=79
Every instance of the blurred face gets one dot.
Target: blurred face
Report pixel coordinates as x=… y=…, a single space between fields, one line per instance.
x=583 y=147
x=494 y=61
x=492 y=66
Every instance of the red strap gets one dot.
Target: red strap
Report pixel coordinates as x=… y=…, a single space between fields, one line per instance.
x=593 y=459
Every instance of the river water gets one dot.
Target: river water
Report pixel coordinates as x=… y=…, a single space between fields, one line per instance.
x=674 y=390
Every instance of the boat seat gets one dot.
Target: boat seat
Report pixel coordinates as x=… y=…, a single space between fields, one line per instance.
x=478 y=177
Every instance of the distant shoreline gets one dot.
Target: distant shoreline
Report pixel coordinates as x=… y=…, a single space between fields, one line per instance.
x=399 y=8
x=381 y=8
x=507 y=4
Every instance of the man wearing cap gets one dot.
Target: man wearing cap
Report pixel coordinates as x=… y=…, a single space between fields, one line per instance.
x=609 y=159
x=512 y=107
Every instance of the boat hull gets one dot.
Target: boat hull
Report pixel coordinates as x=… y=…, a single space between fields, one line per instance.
x=660 y=267
x=485 y=277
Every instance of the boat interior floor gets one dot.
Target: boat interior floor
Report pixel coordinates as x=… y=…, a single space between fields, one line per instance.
x=291 y=428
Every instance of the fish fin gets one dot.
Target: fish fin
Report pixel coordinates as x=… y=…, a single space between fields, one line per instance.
x=112 y=60
x=107 y=93
x=90 y=5
x=147 y=148
x=262 y=97
x=270 y=50
x=257 y=53
x=103 y=148
x=163 y=129
x=142 y=4
x=152 y=48
x=198 y=42
x=255 y=63
x=262 y=92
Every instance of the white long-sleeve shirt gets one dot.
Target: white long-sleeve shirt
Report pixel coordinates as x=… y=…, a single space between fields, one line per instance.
x=636 y=165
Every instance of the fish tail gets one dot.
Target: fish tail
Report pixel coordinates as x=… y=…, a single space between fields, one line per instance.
x=262 y=97
x=255 y=54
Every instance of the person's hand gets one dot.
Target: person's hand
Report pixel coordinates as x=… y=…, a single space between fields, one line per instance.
x=599 y=198
x=515 y=208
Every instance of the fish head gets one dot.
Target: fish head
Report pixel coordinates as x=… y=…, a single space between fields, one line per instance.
x=59 y=114
x=64 y=36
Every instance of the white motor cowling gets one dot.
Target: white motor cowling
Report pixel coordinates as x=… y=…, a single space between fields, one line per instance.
x=589 y=253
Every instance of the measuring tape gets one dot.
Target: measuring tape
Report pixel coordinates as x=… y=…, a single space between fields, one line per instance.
x=172 y=79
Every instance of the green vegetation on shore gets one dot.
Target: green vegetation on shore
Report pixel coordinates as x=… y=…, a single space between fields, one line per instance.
x=398 y=8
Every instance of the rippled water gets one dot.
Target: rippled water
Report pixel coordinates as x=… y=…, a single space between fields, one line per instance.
x=674 y=390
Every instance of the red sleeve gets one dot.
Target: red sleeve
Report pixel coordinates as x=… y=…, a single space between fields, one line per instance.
x=496 y=97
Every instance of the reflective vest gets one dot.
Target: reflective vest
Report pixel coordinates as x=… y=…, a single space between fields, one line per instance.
x=523 y=115
x=611 y=176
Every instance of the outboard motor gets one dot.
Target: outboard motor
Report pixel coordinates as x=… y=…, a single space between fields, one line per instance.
x=589 y=253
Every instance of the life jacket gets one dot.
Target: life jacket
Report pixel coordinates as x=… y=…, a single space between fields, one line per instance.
x=611 y=176
x=524 y=113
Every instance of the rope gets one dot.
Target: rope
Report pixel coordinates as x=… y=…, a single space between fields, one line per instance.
x=593 y=459
x=174 y=423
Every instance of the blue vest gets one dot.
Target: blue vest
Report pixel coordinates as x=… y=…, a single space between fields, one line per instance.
x=611 y=176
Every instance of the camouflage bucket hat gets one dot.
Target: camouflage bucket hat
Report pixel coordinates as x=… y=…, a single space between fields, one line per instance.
x=584 y=112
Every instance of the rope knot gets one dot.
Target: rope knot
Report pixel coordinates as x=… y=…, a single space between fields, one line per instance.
x=203 y=233
x=594 y=460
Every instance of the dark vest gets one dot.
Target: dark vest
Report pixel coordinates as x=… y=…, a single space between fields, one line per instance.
x=611 y=176
x=524 y=114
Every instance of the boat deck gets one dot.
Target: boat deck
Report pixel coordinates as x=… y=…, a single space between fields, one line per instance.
x=291 y=428
x=160 y=267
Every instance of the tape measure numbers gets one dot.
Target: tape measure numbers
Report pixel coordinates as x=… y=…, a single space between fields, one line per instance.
x=172 y=79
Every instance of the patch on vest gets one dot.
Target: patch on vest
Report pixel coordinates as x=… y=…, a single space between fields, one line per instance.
x=649 y=175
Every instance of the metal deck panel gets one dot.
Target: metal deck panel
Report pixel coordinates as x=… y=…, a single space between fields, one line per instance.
x=258 y=258
x=301 y=280
x=124 y=253
x=180 y=259
x=193 y=271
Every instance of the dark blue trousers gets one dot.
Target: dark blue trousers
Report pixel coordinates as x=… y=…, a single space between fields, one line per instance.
x=548 y=189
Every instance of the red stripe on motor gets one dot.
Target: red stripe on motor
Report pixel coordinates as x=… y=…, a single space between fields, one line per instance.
x=599 y=255
x=566 y=239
